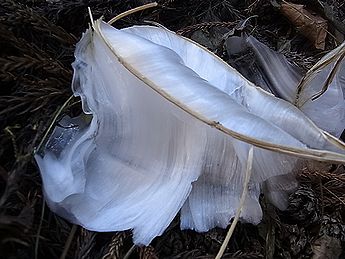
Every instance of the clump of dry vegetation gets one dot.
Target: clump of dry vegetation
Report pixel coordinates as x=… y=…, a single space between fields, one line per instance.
x=37 y=40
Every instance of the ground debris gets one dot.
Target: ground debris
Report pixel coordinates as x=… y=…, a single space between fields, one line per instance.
x=326 y=247
x=37 y=40
x=312 y=26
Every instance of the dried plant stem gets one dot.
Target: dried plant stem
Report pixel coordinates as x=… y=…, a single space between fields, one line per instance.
x=330 y=77
x=68 y=242
x=130 y=251
x=53 y=122
x=337 y=58
x=14 y=143
x=205 y=25
x=39 y=229
x=134 y=10
x=239 y=210
x=335 y=196
x=91 y=17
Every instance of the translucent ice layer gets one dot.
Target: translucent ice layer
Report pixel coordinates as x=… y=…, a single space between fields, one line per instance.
x=325 y=108
x=171 y=128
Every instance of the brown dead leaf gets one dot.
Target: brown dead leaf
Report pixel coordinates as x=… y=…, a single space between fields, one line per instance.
x=312 y=26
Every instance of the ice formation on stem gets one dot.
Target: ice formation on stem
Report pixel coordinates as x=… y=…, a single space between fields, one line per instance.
x=171 y=128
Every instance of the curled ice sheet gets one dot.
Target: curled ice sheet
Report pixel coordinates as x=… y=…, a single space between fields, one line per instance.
x=172 y=126
x=282 y=78
x=325 y=108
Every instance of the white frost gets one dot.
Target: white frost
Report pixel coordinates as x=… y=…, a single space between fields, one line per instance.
x=171 y=128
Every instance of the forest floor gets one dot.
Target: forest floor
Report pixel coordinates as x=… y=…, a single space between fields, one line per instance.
x=37 y=40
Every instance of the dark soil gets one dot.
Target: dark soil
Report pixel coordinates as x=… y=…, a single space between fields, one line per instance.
x=37 y=40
